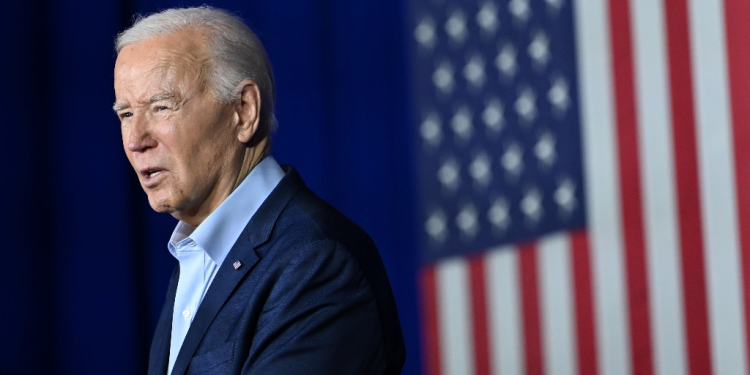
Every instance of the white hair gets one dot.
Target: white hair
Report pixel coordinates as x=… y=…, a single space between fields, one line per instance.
x=235 y=53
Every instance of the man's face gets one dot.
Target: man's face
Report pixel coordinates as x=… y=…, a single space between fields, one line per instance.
x=181 y=143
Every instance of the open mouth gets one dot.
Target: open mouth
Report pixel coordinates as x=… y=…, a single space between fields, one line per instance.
x=151 y=173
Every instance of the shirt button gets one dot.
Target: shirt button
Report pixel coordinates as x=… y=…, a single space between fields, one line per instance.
x=186 y=313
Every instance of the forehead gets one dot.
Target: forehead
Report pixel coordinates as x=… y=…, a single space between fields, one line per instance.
x=176 y=58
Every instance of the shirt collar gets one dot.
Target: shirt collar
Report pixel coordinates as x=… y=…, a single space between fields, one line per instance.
x=219 y=231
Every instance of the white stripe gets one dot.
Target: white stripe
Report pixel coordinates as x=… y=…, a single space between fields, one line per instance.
x=556 y=300
x=602 y=195
x=716 y=168
x=505 y=325
x=658 y=179
x=454 y=317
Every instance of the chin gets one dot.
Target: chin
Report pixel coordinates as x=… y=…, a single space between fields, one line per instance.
x=160 y=205
x=162 y=209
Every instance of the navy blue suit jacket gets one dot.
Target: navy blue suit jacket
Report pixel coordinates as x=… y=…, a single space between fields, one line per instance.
x=311 y=297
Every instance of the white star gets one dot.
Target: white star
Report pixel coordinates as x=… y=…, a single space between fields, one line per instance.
x=565 y=196
x=506 y=61
x=520 y=9
x=493 y=115
x=512 y=159
x=424 y=33
x=443 y=77
x=430 y=129
x=455 y=26
x=479 y=169
x=461 y=123
x=539 y=48
x=435 y=226
x=558 y=95
x=474 y=71
x=526 y=104
x=467 y=222
x=531 y=205
x=554 y=5
x=487 y=17
x=448 y=174
x=498 y=214
x=545 y=149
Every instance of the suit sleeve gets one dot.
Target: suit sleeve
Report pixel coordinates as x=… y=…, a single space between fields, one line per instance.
x=321 y=317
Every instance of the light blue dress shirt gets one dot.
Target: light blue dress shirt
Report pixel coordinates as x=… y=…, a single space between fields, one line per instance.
x=201 y=250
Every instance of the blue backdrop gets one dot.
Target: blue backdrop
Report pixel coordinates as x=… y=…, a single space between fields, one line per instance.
x=84 y=266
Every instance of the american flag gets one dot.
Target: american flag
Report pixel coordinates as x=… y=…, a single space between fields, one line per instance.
x=584 y=175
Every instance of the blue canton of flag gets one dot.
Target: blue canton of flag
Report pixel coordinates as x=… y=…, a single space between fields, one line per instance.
x=498 y=125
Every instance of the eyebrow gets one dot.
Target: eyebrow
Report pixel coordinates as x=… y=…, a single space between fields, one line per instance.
x=156 y=98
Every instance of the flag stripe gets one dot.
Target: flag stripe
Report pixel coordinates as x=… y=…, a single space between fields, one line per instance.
x=556 y=299
x=656 y=149
x=584 y=310
x=454 y=317
x=630 y=186
x=479 y=315
x=430 y=336
x=534 y=361
x=505 y=311
x=718 y=195
x=602 y=188
x=737 y=12
x=691 y=233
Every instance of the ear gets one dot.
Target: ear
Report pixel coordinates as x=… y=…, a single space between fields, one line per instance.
x=248 y=110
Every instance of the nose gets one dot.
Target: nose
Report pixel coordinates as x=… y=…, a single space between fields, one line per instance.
x=137 y=135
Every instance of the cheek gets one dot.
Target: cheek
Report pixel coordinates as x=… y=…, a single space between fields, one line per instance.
x=125 y=135
x=199 y=143
x=211 y=146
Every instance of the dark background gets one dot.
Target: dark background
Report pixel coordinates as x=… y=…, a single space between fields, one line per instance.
x=84 y=265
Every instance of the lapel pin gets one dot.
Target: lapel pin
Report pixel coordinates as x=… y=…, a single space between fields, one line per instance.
x=237 y=264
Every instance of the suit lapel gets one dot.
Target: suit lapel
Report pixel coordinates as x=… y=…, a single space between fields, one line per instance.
x=159 y=355
x=256 y=232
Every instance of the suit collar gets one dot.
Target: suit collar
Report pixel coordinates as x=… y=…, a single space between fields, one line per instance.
x=159 y=355
x=256 y=233
x=221 y=229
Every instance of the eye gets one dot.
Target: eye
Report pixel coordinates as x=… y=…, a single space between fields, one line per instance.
x=126 y=115
x=161 y=108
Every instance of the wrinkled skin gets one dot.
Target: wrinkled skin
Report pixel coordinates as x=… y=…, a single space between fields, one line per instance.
x=189 y=151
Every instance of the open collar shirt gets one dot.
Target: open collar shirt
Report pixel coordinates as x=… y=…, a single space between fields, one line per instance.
x=200 y=251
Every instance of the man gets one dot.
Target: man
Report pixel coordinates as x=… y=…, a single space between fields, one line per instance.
x=271 y=279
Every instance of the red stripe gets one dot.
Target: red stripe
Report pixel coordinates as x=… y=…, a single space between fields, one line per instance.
x=737 y=14
x=530 y=304
x=479 y=316
x=688 y=196
x=630 y=188
x=430 y=337
x=585 y=335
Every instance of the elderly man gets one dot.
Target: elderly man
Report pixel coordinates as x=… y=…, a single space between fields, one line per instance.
x=271 y=279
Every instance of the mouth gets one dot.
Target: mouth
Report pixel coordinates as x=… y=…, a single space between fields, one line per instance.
x=150 y=175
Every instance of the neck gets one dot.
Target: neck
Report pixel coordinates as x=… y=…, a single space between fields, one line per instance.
x=253 y=156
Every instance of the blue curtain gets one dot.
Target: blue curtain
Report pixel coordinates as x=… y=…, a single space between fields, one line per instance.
x=84 y=265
